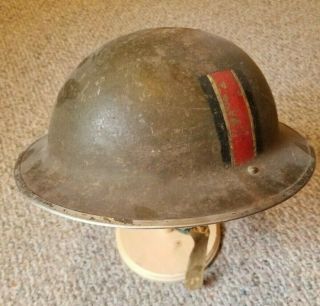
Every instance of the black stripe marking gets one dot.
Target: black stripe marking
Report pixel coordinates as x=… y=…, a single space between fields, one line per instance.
x=218 y=118
x=254 y=112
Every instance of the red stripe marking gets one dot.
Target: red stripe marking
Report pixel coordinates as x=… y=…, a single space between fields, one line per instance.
x=237 y=115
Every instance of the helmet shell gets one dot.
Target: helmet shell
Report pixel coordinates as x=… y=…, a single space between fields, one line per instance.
x=142 y=135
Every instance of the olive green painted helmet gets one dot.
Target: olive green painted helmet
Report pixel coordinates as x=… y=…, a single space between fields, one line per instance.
x=167 y=127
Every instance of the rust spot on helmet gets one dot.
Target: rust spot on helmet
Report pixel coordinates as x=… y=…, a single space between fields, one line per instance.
x=70 y=90
x=83 y=62
x=145 y=212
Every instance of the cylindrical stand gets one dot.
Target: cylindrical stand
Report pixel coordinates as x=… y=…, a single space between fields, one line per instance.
x=161 y=254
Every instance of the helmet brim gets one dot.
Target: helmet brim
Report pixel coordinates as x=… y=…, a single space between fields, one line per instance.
x=147 y=201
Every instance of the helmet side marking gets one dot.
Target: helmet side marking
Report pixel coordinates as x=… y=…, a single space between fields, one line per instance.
x=248 y=110
x=218 y=119
x=236 y=114
x=224 y=113
x=246 y=87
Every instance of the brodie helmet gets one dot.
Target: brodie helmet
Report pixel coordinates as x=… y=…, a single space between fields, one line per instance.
x=167 y=127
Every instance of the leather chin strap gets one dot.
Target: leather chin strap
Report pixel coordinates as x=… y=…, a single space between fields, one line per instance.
x=197 y=259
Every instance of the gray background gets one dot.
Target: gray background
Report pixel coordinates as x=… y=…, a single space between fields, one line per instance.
x=271 y=258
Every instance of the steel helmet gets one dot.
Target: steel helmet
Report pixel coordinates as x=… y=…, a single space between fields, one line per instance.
x=168 y=127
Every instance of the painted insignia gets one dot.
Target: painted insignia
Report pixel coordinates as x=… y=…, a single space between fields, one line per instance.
x=234 y=118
